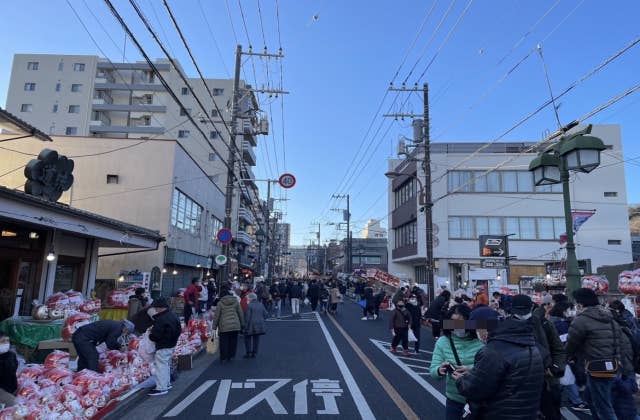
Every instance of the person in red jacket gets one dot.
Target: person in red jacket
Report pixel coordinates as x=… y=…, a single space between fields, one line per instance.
x=191 y=296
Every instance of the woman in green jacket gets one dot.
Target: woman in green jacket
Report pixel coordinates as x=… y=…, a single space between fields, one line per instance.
x=229 y=321
x=444 y=360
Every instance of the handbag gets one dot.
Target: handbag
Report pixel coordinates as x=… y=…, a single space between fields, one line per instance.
x=213 y=344
x=605 y=368
x=568 y=378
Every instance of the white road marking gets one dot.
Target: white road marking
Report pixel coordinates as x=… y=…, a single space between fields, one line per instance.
x=567 y=414
x=358 y=398
x=417 y=367
x=426 y=385
x=387 y=344
x=220 y=404
x=300 y=398
x=268 y=395
x=413 y=359
x=190 y=398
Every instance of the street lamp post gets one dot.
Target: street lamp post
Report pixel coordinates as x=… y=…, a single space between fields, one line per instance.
x=577 y=152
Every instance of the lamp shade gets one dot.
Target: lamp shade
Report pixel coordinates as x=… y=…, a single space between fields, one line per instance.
x=260 y=235
x=546 y=169
x=581 y=153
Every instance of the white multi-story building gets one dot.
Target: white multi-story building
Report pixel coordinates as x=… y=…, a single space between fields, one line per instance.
x=373 y=230
x=89 y=96
x=504 y=202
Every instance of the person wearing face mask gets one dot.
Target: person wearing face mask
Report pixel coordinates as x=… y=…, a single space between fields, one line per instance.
x=507 y=377
x=191 y=298
x=8 y=369
x=203 y=296
x=164 y=333
x=399 y=324
x=414 y=309
x=87 y=337
x=454 y=351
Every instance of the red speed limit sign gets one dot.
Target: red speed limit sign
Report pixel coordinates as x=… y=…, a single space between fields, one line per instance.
x=287 y=181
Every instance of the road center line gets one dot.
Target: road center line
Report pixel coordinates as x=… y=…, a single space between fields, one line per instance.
x=426 y=385
x=391 y=391
x=358 y=398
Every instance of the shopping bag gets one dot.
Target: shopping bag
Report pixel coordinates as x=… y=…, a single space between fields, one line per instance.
x=412 y=336
x=568 y=378
x=363 y=303
x=213 y=343
x=305 y=301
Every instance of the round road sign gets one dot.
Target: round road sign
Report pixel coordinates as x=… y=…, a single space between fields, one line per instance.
x=287 y=181
x=221 y=260
x=225 y=236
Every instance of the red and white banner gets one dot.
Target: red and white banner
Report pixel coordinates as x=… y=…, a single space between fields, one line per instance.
x=383 y=277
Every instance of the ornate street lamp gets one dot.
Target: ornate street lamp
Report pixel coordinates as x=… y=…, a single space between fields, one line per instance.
x=577 y=152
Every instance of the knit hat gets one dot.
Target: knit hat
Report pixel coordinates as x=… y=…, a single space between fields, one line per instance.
x=546 y=299
x=160 y=303
x=521 y=305
x=585 y=297
x=484 y=313
x=128 y=325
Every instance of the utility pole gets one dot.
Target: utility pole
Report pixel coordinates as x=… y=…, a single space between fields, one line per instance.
x=228 y=201
x=422 y=138
x=233 y=147
x=267 y=268
x=346 y=216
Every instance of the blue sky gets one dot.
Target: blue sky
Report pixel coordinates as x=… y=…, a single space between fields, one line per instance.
x=338 y=66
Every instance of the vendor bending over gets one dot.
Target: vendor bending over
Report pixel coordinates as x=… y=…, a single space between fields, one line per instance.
x=87 y=337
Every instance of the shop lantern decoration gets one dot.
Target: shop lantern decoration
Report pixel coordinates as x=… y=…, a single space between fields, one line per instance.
x=49 y=175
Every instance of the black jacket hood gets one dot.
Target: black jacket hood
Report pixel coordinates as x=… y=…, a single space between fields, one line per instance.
x=513 y=331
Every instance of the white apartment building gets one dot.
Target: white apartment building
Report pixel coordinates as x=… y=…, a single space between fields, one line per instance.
x=501 y=203
x=373 y=230
x=89 y=96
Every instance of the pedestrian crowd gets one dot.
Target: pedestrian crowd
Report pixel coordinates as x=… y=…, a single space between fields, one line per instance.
x=512 y=359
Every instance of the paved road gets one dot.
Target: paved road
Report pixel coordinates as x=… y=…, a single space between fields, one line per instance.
x=316 y=366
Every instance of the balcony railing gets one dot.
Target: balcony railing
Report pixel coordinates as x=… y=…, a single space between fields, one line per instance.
x=248 y=154
x=246 y=215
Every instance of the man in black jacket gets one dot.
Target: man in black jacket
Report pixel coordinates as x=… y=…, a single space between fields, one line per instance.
x=164 y=333
x=552 y=351
x=436 y=311
x=596 y=338
x=87 y=337
x=507 y=377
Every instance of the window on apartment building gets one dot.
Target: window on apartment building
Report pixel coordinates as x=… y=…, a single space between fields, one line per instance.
x=216 y=225
x=406 y=234
x=112 y=179
x=215 y=113
x=610 y=193
x=26 y=108
x=74 y=109
x=184 y=91
x=614 y=242
x=406 y=192
x=185 y=111
x=217 y=91
x=212 y=157
x=60 y=66
x=78 y=67
x=213 y=135
x=55 y=108
x=71 y=131
x=76 y=87
x=496 y=181
x=522 y=228
x=58 y=87
x=30 y=86
x=32 y=65
x=183 y=134
x=185 y=212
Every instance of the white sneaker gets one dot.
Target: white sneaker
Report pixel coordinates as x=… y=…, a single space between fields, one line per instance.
x=364 y=318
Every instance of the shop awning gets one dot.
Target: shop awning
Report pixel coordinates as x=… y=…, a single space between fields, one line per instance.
x=16 y=206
